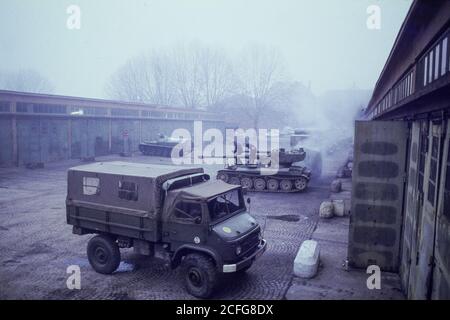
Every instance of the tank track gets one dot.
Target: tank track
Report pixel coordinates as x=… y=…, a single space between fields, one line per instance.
x=240 y=176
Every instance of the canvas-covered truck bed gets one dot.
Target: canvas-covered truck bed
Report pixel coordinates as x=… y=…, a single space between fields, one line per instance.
x=120 y=198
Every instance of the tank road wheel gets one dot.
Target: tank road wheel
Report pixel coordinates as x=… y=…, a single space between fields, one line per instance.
x=260 y=184
x=272 y=184
x=103 y=254
x=247 y=182
x=234 y=180
x=222 y=176
x=199 y=274
x=286 y=185
x=301 y=184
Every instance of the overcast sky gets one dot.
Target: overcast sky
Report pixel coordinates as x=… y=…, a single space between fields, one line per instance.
x=325 y=42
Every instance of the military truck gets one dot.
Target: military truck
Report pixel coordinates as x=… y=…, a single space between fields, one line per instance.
x=172 y=212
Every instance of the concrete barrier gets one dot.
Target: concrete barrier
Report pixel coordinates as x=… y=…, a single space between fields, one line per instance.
x=339 y=208
x=326 y=210
x=307 y=260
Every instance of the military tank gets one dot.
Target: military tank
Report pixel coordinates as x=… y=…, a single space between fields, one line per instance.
x=289 y=178
x=162 y=147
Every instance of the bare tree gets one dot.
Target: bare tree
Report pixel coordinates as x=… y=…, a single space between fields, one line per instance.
x=192 y=76
x=218 y=80
x=188 y=75
x=26 y=80
x=260 y=69
x=146 y=78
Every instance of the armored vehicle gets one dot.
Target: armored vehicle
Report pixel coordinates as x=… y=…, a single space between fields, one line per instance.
x=175 y=213
x=162 y=147
x=289 y=177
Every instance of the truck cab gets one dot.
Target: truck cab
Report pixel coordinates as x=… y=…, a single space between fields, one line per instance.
x=173 y=212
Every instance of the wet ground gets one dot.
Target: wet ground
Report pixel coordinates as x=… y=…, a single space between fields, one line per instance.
x=37 y=246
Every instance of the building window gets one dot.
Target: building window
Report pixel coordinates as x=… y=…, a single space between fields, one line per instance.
x=447 y=185
x=422 y=157
x=21 y=107
x=444 y=57
x=430 y=67
x=4 y=106
x=91 y=186
x=88 y=111
x=425 y=72
x=128 y=191
x=433 y=169
x=437 y=50
x=49 y=108
x=120 y=112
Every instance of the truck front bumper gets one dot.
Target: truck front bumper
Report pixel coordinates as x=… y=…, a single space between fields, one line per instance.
x=228 y=268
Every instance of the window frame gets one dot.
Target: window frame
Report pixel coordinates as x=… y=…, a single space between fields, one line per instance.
x=174 y=218
x=84 y=185
x=121 y=190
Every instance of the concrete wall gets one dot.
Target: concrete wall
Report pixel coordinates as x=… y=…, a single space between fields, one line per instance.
x=406 y=231
x=375 y=224
x=46 y=139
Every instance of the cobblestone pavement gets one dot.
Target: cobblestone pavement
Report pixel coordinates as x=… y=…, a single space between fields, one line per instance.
x=36 y=244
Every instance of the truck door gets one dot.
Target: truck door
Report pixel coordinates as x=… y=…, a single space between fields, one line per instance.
x=187 y=223
x=377 y=199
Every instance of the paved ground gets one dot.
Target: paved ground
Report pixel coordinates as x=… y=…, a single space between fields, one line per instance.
x=36 y=245
x=333 y=281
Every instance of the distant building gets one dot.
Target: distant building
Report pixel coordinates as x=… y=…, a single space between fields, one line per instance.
x=401 y=179
x=39 y=128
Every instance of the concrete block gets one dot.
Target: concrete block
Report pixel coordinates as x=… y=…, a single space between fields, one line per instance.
x=339 y=208
x=326 y=210
x=307 y=260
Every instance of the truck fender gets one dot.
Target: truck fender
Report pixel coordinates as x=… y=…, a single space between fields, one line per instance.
x=189 y=248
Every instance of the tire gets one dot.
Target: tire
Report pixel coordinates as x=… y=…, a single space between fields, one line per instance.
x=259 y=184
x=272 y=185
x=103 y=254
x=200 y=275
x=301 y=184
x=286 y=185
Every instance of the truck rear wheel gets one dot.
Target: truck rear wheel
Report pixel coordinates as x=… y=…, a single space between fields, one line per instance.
x=103 y=254
x=200 y=275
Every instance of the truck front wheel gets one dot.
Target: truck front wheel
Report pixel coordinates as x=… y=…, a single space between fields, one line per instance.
x=103 y=254
x=200 y=275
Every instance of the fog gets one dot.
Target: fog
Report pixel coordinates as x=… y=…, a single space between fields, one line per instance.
x=279 y=64
x=326 y=44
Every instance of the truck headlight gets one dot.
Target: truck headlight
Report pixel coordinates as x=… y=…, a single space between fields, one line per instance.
x=238 y=250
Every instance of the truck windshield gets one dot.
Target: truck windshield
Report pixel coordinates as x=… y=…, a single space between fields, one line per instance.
x=224 y=205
